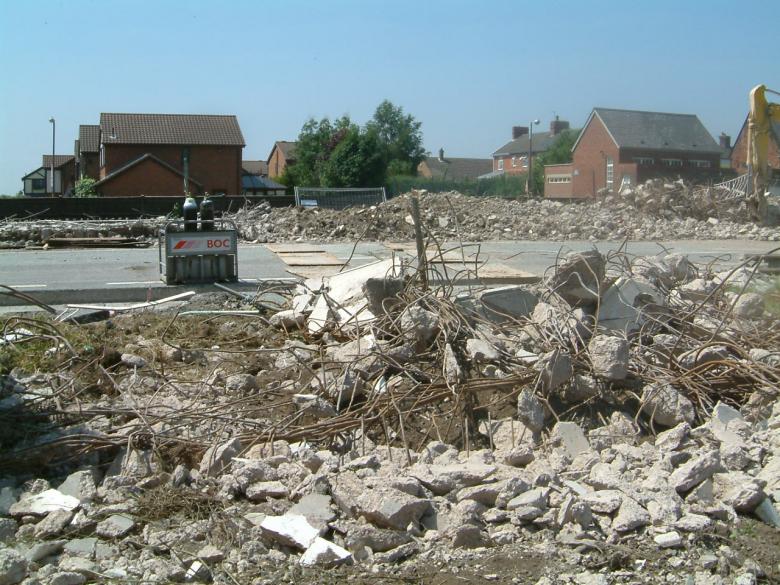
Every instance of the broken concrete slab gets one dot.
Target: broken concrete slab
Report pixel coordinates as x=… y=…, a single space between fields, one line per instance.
x=217 y=457
x=115 y=526
x=609 y=356
x=695 y=471
x=555 y=369
x=666 y=405
x=507 y=303
x=571 y=437
x=42 y=503
x=630 y=516
x=290 y=530
x=317 y=509
x=626 y=303
x=530 y=410
x=323 y=553
x=578 y=278
x=341 y=299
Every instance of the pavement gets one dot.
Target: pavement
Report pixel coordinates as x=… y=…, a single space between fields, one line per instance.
x=127 y=275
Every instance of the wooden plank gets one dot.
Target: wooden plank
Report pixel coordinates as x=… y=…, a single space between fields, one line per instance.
x=491 y=273
x=314 y=259
x=293 y=248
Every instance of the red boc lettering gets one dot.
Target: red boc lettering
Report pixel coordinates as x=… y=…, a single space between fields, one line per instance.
x=218 y=243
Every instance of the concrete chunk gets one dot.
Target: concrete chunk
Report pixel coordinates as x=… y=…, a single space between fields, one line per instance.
x=290 y=530
x=216 y=458
x=43 y=503
x=609 y=356
x=323 y=553
x=571 y=437
x=630 y=516
x=695 y=471
x=665 y=405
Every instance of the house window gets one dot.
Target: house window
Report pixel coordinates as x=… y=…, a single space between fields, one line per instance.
x=672 y=162
x=625 y=181
x=700 y=164
x=38 y=184
x=559 y=179
x=644 y=160
x=514 y=161
x=501 y=164
x=610 y=173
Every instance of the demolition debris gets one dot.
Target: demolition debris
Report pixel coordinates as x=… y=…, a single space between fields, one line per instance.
x=652 y=211
x=617 y=422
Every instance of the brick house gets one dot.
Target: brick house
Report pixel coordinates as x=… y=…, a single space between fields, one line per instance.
x=625 y=147
x=282 y=155
x=739 y=154
x=156 y=154
x=86 y=149
x=512 y=157
x=456 y=169
x=38 y=182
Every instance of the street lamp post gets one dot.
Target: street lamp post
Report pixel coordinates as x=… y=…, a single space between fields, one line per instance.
x=530 y=156
x=53 y=127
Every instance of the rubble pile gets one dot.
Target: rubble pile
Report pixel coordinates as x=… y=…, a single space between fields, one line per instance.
x=30 y=233
x=654 y=211
x=618 y=422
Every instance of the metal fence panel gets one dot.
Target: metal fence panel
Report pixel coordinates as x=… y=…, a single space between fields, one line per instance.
x=338 y=198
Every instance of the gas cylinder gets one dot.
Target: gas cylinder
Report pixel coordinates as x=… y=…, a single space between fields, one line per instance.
x=206 y=215
x=190 y=213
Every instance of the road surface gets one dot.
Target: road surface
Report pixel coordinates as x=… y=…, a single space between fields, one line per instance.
x=127 y=274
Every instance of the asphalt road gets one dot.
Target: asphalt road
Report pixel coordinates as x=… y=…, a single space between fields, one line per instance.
x=89 y=275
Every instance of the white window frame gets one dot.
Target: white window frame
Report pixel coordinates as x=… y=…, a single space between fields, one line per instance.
x=514 y=161
x=610 y=173
x=559 y=179
x=701 y=164
x=501 y=164
x=674 y=163
x=644 y=160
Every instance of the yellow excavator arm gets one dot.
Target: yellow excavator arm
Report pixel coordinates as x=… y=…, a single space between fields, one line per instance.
x=760 y=118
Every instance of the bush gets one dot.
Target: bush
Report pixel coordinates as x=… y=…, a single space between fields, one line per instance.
x=85 y=187
x=509 y=186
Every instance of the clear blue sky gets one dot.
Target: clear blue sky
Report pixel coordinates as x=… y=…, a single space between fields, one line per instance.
x=468 y=70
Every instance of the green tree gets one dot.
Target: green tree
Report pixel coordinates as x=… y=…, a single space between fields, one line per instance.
x=400 y=136
x=357 y=161
x=85 y=187
x=559 y=153
x=316 y=142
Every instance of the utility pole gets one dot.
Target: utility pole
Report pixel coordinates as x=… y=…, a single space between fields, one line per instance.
x=53 y=127
x=530 y=157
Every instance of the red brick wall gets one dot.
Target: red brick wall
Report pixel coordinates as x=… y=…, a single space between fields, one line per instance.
x=520 y=169
x=557 y=190
x=217 y=168
x=146 y=178
x=739 y=153
x=590 y=167
x=276 y=164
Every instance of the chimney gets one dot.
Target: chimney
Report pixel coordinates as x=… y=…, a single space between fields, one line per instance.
x=441 y=155
x=725 y=140
x=518 y=131
x=557 y=126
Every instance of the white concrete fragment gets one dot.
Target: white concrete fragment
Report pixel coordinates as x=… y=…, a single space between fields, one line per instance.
x=624 y=304
x=665 y=405
x=571 y=437
x=43 y=503
x=609 y=356
x=630 y=516
x=668 y=539
x=695 y=471
x=290 y=530
x=324 y=553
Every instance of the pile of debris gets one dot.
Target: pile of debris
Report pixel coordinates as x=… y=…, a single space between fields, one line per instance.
x=46 y=232
x=654 y=211
x=622 y=415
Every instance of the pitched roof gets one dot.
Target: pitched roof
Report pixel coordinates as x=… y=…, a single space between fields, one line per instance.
x=287 y=147
x=656 y=130
x=89 y=137
x=541 y=142
x=458 y=168
x=140 y=159
x=255 y=167
x=257 y=182
x=59 y=160
x=196 y=129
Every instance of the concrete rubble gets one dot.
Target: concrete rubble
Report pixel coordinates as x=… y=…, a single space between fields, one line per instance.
x=652 y=211
x=413 y=432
